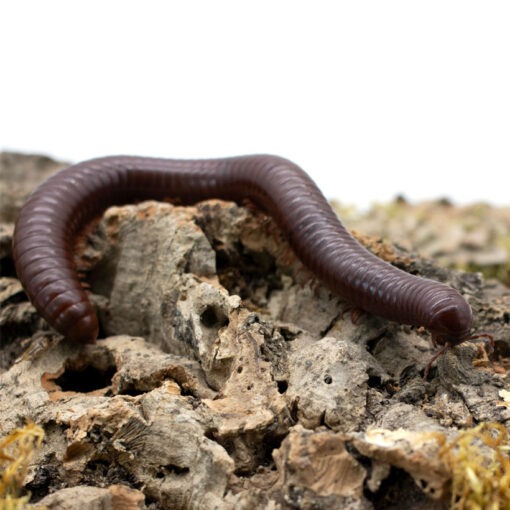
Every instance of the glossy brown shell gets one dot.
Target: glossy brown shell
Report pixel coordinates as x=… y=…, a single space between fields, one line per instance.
x=66 y=201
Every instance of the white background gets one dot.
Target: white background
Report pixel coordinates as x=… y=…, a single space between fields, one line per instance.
x=372 y=98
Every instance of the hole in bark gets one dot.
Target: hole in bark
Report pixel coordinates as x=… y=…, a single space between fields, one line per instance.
x=328 y=379
x=373 y=343
x=211 y=434
x=282 y=386
x=88 y=373
x=132 y=391
x=287 y=334
x=7 y=267
x=252 y=275
x=222 y=259
x=374 y=381
x=262 y=450
x=501 y=349
x=260 y=447
x=103 y=472
x=426 y=487
x=407 y=374
x=271 y=443
x=399 y=487
x=85 y=380
x=213 y=317
x=47 y=478
x=171 y=469
x=15 y=297
x=294 y=408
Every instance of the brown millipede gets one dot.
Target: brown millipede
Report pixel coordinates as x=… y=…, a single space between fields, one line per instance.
x=66 y=201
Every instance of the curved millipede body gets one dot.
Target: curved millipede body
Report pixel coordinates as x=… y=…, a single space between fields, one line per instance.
x=43 y=237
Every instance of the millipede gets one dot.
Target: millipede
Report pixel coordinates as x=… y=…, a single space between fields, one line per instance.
x=65 y=202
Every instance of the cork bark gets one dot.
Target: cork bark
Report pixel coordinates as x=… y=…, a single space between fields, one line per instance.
x=226 y=376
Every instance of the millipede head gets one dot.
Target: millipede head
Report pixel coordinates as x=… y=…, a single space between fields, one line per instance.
x=451 y=324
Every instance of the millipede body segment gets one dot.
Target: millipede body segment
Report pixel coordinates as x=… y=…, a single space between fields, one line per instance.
x=59 y=207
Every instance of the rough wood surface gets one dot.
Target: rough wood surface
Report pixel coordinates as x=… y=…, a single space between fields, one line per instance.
x=227 y=377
